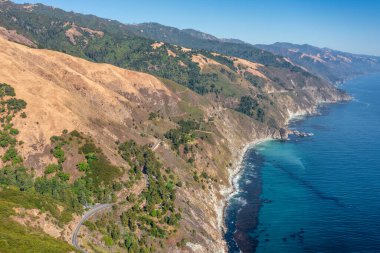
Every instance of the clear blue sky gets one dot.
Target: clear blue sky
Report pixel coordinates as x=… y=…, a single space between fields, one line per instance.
x=348 y=25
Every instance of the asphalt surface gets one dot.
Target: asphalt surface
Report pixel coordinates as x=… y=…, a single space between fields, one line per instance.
x=95 y=209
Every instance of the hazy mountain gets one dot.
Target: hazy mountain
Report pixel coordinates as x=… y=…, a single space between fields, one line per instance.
x=332 y=65
x=199 y=40
x=335 y=66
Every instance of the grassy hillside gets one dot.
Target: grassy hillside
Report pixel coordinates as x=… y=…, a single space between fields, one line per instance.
x=15 y=237
x=102 y=40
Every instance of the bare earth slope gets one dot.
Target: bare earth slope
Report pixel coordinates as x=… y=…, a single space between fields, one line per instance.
x=64 y=92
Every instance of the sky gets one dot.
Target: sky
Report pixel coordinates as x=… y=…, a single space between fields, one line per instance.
x=347 y=25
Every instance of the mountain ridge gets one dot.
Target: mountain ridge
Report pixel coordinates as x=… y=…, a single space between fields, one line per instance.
x=333 y=65
x=333 y=71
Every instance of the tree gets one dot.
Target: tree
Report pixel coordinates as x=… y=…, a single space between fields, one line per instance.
x=83 y=166
x=260 y=115
x=247 y=105
x=108 y=241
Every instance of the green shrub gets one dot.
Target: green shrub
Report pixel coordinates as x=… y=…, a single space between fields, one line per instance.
x=83 y=166
x=9 y=154
x=16 y=105
x=14 y=131
x=6 y=139
x=52 y=168
x=63 y=176
x=6 y=90
x=59 y=154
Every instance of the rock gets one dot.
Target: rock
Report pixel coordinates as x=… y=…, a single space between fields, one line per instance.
x=283 y=134
x=280 y=134
x=301 y=134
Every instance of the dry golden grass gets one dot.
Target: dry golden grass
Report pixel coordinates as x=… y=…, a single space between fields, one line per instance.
x=65 y=92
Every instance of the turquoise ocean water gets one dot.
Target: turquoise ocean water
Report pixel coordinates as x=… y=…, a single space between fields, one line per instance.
x=319 y=193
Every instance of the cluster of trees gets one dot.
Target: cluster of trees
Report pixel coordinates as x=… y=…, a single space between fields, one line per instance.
x=9 y=108
x=254 y=80
x=250 y=107
x=184 y=134
x=153 y=211
x=97 y=166
x=154 y=115
x=219 y=58
x=13 y=173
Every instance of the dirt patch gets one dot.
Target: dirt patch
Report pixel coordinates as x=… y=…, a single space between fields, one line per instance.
x=12 y=35
x=29 y=7
x=251 y=67
x=315 y=58
x=45 y=222
x=77 y=31
x=171 y=53
x=203 y=61
x=186 y=50
x=156 y=45
x=72 y=33
x=37 y=219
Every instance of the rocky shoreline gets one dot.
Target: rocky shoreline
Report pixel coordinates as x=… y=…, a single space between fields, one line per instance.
x=281 y=134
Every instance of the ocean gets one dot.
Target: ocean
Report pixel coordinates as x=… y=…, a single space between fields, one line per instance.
x=314 y=194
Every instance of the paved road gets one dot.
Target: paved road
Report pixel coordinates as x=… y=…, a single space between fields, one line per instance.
x=95 y=209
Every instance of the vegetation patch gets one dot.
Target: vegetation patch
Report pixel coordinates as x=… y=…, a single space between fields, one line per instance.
x=15 y=237
x=182 y=135
x=250 y=107
x=153 y=213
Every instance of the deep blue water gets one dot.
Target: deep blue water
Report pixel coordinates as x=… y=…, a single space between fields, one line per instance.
x=319 y=193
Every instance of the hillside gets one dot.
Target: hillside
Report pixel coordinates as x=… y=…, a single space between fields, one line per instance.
x=199 y=40
x=334 y=66
x=109 y=105
x=161 y=148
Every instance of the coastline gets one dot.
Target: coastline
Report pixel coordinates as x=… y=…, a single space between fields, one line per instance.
x=236 y=170
x=234 y=176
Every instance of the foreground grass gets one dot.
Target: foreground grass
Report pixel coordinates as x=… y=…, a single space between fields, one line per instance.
x=15 y=237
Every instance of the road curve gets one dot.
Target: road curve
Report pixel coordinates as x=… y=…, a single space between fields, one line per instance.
x=95 y=209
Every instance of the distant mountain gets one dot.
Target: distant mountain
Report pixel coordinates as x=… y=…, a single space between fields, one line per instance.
x=206 y=36
x=333 y=65
x=199 y=40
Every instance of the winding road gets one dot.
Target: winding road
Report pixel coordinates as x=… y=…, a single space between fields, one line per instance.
x=93 y=210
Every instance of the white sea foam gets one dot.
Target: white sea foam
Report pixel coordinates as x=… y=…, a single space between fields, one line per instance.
x=360 y=102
